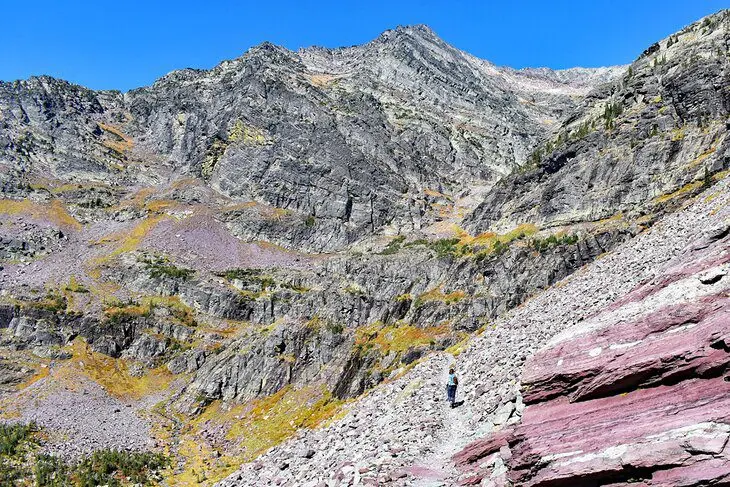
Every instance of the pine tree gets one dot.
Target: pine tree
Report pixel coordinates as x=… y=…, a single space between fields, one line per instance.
x=706 y=180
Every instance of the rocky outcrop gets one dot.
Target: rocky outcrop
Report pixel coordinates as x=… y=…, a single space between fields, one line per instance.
x=335 y=139
x=656 y=132
x=500 y=437
x=637 y=392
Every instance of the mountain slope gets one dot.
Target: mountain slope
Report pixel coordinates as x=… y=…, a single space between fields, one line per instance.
x=651 y=135
x=398 y=428
x=239 y=256
x=353 y=139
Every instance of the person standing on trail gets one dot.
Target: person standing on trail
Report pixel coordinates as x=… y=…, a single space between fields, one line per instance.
x=451 y=387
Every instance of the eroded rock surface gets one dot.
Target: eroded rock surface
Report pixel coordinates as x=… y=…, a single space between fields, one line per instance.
x=516 y=440
x=637 y=392
x=298 y=245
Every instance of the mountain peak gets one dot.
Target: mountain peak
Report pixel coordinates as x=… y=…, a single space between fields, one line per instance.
x=421 y=31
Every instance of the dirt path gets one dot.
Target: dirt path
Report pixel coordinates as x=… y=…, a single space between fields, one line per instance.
x=435 y=469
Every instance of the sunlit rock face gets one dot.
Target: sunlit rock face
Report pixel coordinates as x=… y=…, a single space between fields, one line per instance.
x=267 y=267
x=637 y=392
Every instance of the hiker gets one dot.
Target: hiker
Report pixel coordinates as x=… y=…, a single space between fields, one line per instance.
x=451 y=387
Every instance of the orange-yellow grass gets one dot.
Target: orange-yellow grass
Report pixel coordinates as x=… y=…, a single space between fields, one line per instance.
x=54 y=211
x=322 y=80
x=129 y=240
x=117 y=145
x=437 y=294
x=263 y=423
x=398 y=337
x=687 y=188
x=202 y=466
x=253 y=427
x=698 y=160
x=435 y=194
x=113 y=374
x=489 y=238
x=40 y=367
x=181 y=312
x=159 y=206
x=616 y=220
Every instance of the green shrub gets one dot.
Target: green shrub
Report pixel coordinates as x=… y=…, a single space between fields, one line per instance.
x=54 y=303
x=499 y=247
x=161 y=267
x=393 y=246
x=171 y=271
x=335 y=328
x=541 y=245
x=13 y=435
x=445 y=246
x=706 y=179
x=103 y=467
x=249 y=276
x=610 y=112
x=51 y=471
x=294 y=287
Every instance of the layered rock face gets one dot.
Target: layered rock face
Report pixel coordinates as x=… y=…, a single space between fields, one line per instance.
x=298 y=244
x=658 y=415
x=621 y=150
x=352 y=139
x=637 y=392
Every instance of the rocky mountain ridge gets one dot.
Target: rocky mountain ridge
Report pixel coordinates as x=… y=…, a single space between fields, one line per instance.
x=236 y=254
x=467 y=127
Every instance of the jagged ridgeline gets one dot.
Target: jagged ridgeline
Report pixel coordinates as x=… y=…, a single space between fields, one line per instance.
x=207 y=267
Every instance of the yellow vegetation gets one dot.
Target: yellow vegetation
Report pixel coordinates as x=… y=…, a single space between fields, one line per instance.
x=254 y=427
x=202 y=467
x=678 y=134
x=139 y=199
x=687 y=188
x=113 y=374
x=435 y=194
x=74 y=286
x=159 y=206
x=54 y=211
x=437 y=294
x=718 y=176
x=134 y=310
x=398 y=337
x=120 y=143
x=269 y=421
x=487 y=239
x=246 y=134
x=179 y=310
x=698 y=160
x=129 y=240
x=616 y=220
x=40 y=373
x=322 y=80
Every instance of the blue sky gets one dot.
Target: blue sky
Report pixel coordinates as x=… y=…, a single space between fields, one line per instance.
x=123 y=45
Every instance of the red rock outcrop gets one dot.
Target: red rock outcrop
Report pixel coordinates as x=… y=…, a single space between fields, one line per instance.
x=637 y=394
